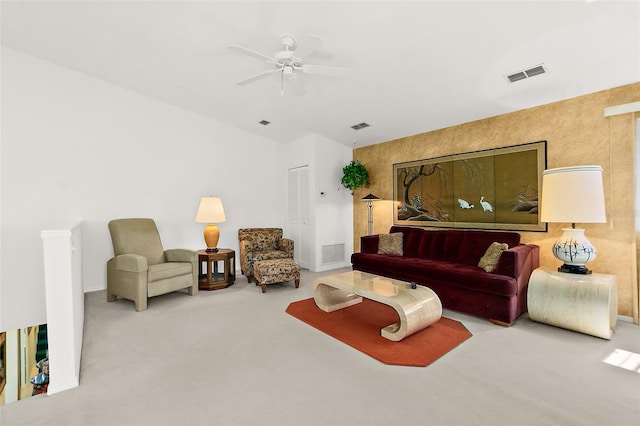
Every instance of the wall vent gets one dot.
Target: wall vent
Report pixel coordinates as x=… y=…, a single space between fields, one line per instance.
x=332 y=253
x=360 y=126
x=528 y=73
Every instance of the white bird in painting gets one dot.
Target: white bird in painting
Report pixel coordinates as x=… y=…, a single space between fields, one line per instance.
x=485 y=206
x=464 y=204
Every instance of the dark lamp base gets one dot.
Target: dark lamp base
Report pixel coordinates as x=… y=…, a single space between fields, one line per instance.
x=211 y=250
x=574 y=269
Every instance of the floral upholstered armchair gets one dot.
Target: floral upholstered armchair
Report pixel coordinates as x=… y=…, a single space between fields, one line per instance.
x=262 y=244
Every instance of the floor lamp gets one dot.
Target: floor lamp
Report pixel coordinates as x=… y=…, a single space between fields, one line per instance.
x=570 y=195
x=370 y=199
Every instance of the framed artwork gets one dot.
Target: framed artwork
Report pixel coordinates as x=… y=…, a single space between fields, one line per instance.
x=490 y=189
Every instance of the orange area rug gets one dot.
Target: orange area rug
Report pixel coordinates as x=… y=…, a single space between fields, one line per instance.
x=359 y=327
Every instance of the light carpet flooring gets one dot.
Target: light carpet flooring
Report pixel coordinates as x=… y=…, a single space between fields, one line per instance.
x=234 y=357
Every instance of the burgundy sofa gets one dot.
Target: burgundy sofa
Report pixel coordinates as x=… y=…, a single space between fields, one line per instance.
x=446 y=261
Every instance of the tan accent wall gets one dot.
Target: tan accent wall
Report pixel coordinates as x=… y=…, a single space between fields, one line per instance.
x=577 y=133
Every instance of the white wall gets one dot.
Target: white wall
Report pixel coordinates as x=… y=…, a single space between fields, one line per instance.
x=332 y=214
x=77 y=148
x=334 y=210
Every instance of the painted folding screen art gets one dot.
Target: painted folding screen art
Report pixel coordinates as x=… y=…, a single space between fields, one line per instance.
x=490 y=189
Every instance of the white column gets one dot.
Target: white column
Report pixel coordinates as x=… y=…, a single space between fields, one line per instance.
x=65 y=305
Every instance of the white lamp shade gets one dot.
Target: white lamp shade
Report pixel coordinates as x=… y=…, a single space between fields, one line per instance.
x=573 y=195
x=210 y=210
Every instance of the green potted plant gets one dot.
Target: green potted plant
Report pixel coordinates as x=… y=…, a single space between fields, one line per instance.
x=355 y=175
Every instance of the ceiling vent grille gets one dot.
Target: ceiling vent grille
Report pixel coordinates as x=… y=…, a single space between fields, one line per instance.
x=264 y=122
x=528 y=73
x=360 y=126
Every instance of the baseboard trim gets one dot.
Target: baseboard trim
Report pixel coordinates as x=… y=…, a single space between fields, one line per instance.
x=625 y=318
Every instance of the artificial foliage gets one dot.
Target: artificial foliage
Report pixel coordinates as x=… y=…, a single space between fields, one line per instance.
x=355 y=175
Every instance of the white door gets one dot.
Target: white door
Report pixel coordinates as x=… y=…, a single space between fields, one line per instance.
x=299 y=214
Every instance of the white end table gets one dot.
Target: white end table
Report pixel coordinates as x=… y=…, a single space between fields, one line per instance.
x=584 y=303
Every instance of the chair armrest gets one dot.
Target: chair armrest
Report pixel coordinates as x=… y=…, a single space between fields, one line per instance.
x=369 y=244
x=286 y=245
x=181 y=255
x=131 y=263
x=246 y=246
x=246 y=255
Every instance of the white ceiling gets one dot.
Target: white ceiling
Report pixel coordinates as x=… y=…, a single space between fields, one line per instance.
x=415 y=66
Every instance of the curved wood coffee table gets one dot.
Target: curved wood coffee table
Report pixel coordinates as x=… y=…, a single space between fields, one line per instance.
x=417 y=308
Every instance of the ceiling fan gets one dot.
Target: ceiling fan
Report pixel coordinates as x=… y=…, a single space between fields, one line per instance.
x=289 y=61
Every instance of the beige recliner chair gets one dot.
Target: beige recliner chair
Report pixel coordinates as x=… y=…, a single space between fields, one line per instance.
x=141 y=268
x=262 y=244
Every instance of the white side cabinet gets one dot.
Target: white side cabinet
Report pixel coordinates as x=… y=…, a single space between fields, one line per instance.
x=584 y=303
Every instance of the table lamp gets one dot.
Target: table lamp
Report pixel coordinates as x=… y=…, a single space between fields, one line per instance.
x=370 y=199
x=211 y=212
x=570 y=195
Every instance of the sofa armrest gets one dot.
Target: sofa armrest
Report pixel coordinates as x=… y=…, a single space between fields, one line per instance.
x=131 y=263
x=181 y=255
x=369 y=244
x=519 y=261
x=286 y=245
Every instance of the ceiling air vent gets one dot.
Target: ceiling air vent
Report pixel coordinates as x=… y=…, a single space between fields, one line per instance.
x=264 y=122
x=517 y=76
x=528 y=73
x=360 y=126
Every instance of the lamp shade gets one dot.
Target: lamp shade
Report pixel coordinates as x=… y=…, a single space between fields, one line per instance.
x=370 y=197
x=573 y=195
x=210 y=210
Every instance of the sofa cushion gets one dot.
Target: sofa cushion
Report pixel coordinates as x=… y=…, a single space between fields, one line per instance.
x=473 y=244
x=432 y=245
x=391 y=244
x=411 y=239
x=491 y=257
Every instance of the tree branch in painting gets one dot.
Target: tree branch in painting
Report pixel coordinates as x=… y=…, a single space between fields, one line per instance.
x=415 y=207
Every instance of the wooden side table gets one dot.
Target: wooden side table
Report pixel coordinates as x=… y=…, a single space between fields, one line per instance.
x=213 y=279
x=584 y=303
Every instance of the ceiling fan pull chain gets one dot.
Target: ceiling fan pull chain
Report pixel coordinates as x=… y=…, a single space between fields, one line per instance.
x=282 y=82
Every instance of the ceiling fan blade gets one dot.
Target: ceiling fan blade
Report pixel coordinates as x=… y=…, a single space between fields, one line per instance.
x=325 y=70
x=308 y=46
x=250 y=52
x=255 y=77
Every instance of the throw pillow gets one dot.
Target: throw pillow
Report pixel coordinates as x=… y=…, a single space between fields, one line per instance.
x=490 y=259
x=390 y=244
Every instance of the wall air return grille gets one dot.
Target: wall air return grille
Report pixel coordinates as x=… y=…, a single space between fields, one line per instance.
x=332 y=253
x=528 y=73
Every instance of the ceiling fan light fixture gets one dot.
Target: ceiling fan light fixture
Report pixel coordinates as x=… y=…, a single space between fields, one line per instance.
x=289 y=61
